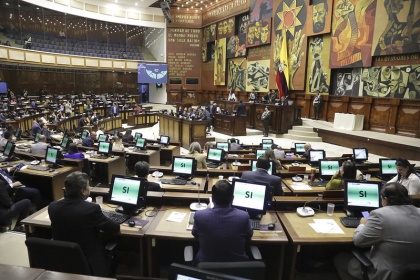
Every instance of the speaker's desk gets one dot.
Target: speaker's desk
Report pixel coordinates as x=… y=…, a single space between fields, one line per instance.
x=102 y=169
x=130 y=241
x=49 y=183
x=161 y=229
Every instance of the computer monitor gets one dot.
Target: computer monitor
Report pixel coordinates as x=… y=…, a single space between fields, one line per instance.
x=299 y=148
x=327 y=168
x=103 y=137
x=360 y=154
x=223 y=145
x=361 y=196
x=267 y=141
x=51 y=157
x=116 y=132
x=233 y=140
x=65 y=143
x=387 y=167
x=315 y=156
x=104 y=148
x=251 y=197
x=141 y=143
x=138 y=135
x=84 y=134
x=9 y=149
x=128 y=193
x=259 y=153
x=36 y=139
x=164 y=140
x=18 y=133
x=271 y=170
x=184 y=272
x=266 y=146
x=215 y=155
x=184 y=167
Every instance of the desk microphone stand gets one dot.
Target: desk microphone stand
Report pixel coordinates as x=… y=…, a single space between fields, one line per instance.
x=196 y=206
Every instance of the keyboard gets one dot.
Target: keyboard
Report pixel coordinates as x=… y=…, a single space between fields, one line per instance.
x=318 y=183
x=100 y=157
x=38 y=167
x=173 y=181
x=116 y=217
x=255 y=224
x=350 y=222
x=213 y=165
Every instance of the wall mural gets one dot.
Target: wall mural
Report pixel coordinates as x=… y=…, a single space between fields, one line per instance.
x=318 y=73
x=391 y=81
x=319 y=17
x=399 y=31
x=291 y=16
x=260 y=9
x=236 y=46
x=257 y=75
x=259 y=33
x=226 y=28
x=220 y=62
x=242 y=23
x=352 y=32
x=346 y=82
x=236 y=78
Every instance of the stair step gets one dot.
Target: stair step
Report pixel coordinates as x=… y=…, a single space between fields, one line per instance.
x=303 y=128
x=302 y=138
x=302 y=133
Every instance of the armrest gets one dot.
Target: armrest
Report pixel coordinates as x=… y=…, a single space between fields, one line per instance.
x=188 y=253
x=362 y=258
x=256 y=254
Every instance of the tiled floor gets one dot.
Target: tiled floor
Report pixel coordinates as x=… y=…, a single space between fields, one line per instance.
x=13 y=250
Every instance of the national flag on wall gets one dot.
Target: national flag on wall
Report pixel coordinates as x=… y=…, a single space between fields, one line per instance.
x=282 y=77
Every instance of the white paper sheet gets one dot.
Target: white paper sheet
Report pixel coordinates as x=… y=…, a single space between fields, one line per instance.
x=301 y=187
x=326 y=226
x=176 y=217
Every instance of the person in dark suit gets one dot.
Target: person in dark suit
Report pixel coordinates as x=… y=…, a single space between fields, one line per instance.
x=391 y=232
x=36 y=128
x=10 y=210
x=75 y=220
x=222 y=231
x=115 y=111
x=142 y=171
x=89 y=140
x=266 y=117
x=241 y=109
x=261 y=175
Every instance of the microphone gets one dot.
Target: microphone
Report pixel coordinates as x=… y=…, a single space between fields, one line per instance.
x=306 y=211
x=196 y=206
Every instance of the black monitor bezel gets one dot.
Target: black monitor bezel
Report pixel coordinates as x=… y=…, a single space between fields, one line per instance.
x=360 y=160
x=194 y=167
x=267 y=198
x=11 y=151
x=84 y=132
x=273 y=166
x=256 y=152
x=36 y=138
x=141 y=200
x=317 y=161
x=380 y=167
x=223 y=153
x=223 y=143
x=109 y=148
x=320 y=167
x=299 y=152
x=144 y=145
x=46 y=155
x=270 y=141
x=268 y=148
x=106 y=137
x=165 y=144
x=138 y=133
x=18 y=132
x=356 y=210
x=67 y=143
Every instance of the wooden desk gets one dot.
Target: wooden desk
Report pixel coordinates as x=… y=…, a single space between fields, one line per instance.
x=39 y=225
x=288 y=182
x=189 y=187
x=144 y=119
x=161 y=229
x=19 y=272
x=104 y=168
x=301 y=233
x=50 y=275
x=166 y=153
x=230 y=125
x=49 y=183
x=151 y=156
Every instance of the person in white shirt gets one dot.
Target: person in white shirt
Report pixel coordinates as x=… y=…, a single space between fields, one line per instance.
x=232 y=96
x=406 y=176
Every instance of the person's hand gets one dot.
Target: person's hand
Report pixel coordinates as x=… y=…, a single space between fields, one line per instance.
x=295 y=56
x=363 y=221
x=17 y=184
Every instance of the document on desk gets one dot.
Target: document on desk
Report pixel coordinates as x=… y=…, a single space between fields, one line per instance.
x=300 y=186
x=326 y=226
x=176 y=217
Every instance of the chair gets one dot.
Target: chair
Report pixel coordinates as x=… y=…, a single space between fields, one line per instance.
x=254 y=269
x=57 y=255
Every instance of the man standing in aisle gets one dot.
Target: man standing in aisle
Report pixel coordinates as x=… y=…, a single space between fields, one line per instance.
x=266 y=117
x=317 y=105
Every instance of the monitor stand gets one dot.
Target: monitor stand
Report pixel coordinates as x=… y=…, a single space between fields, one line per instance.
x=54 y=166
x=128 y=211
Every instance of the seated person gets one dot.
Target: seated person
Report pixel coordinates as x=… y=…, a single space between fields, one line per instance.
x=252 y=96
x=41 y=147
x=36 y=128
x=73 y=152
x=406 y=176
x=8 y=136
x=117 y=146
x=75 y=220
x=278 y=152
x=99 y=132
x=307 y=148
x=231 y=96
x=391 y=232
x=222 y=231
x=261 y=175
x=127 y=137
x=195 y=152
x=89 y=140
x=142 y=171
x=348 y=171
x=269 y=155
x=10 y=210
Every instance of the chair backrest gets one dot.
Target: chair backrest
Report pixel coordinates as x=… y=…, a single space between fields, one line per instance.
x=56 y=255
x=86 y=167
x=254 y=270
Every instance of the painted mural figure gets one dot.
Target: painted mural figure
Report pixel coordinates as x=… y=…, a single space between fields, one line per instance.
x=319 y=16
x=258 y=76
x=318 y=78
x=237 y=75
